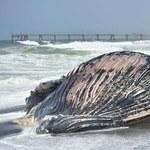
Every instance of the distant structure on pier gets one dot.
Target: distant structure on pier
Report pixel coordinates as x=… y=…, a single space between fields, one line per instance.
x=24 y=37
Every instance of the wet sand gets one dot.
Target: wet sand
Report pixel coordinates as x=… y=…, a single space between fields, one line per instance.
x=9 y=128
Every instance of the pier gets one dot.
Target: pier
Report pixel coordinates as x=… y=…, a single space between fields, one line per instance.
x=24 y=37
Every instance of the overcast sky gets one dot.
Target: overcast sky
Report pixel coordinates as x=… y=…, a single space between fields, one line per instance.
x=74 y=16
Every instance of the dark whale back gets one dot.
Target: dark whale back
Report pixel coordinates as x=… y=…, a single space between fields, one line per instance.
x=114 y=86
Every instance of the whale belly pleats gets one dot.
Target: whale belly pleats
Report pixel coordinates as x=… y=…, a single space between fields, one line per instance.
x=111 y=89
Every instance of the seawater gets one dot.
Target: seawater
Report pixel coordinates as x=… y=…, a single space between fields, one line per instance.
x=24 y=64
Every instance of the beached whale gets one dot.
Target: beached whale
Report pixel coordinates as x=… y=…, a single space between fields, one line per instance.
x=110 y=90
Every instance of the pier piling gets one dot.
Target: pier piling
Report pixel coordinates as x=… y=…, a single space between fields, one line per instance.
x=68 y=37
x=126 y=37
x=40 y=37
x=97 y=38
x=112 y=37
x=83 y=37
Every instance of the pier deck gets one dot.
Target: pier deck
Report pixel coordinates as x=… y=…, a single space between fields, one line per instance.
x=25 y=36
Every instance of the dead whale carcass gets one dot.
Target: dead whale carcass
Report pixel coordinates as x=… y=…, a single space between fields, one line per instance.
x=107 y=91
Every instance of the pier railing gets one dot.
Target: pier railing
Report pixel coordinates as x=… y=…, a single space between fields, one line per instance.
x=23 y=37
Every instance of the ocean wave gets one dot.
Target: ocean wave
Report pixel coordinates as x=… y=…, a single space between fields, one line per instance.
x=15 y=82
x=142 y=42
x=85 y=46
x=11 y=116
x=28 y=42
x=103 y=46
x=145 y=51
x=46 y=42
x=33 y=49
x=3 y=52
x=69 y=52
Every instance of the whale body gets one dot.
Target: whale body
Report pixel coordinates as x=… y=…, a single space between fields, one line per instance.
x=110 y=90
